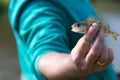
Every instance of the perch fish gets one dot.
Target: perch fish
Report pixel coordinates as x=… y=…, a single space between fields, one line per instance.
x=82 y=27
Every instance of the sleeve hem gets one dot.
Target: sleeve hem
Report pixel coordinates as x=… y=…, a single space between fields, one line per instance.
x=37 y=71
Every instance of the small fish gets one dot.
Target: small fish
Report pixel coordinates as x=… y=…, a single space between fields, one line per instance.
x=82 y=27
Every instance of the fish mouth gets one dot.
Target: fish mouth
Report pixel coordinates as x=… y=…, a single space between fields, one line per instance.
x=78 y=30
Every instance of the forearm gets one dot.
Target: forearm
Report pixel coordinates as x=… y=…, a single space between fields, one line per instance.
x=55 y=66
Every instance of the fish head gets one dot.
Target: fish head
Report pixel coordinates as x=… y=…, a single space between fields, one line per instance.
x=79 y=28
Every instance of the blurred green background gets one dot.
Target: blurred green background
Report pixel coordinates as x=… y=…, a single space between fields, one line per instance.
x=109 y=10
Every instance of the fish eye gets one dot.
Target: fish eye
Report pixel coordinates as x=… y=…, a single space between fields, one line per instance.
x=75 y=24
x=78 y=24
x=90 y=24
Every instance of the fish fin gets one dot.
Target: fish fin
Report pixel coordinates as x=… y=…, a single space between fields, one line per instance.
x=105 y=36
x=115 y=35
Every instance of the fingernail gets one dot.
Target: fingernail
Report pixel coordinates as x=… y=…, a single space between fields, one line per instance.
x=95 y=25
x=101 y=34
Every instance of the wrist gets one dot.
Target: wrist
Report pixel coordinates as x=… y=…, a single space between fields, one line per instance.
x=58 y=66
x=73 y=70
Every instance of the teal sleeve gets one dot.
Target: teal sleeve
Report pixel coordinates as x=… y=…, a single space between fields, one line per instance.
x=40 y=27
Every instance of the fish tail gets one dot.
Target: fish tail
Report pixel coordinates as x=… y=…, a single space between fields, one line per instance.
x=114 y=35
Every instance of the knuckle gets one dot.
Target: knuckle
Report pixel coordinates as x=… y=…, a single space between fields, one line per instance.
x=103 y=58
x=84 y=68
x=76 y=60
x=96 y=50
x=111 y=57
x=91 y=33
x=85 y=41
x=92 y=30
x=94 y=53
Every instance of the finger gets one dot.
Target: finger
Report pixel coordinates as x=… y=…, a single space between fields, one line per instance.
x=95 y=51
x=82 y=46
x=79 y=51
x=110 y=56
x=89 y=36
x=84 y=43
x=103 y=57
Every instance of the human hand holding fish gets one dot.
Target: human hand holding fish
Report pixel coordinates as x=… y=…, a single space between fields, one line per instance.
x=84 y=26
x=91 y=58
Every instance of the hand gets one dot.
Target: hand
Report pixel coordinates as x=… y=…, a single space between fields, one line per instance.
x=90 y=58
x=84 y=59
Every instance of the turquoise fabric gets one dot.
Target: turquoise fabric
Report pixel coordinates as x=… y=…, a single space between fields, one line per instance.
x=42 y=26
